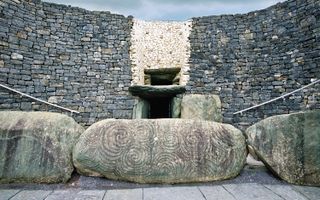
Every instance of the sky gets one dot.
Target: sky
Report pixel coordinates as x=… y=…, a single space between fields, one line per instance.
x=177 y=10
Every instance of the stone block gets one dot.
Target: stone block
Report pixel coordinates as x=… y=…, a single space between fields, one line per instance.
x=36 y=146
x=161 y=151
x=201 y=107
x=16 y=56
x=289 y=145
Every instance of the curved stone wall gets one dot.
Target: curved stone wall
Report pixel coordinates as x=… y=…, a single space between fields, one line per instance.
x=70 y=56
x=248 y=59
x=81 y=59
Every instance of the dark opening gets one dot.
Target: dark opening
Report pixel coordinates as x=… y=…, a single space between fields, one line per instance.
x=164 y=76
x=161 y=79
x=160 y=107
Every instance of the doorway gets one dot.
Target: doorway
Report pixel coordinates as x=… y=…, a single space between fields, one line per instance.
x=160 y=107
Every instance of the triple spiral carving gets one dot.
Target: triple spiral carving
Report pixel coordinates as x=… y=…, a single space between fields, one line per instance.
x=159 y=149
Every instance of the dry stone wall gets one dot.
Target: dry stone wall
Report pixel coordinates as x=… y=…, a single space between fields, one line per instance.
x=251 y=58
x=157 y=45
x=70 y=56
x=87 y=60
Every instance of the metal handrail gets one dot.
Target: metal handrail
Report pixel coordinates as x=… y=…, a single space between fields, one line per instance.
x=36 y=99
x=280 y=97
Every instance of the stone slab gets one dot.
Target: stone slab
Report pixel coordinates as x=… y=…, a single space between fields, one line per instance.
x=6 y=194
x=176 y=193
x=133 y=194
x=63 y=194
x=90 y=194
x=160 y=151
x=31 y=195
x=216 y=192
x=312 y=193
x=148 y=91
x=201 y=107
x=251 y=191
x=241 y=191
x=289 y=145
x=286 y=192
x=141 y=109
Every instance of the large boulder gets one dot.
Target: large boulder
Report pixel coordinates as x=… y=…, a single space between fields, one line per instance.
x=36 y=146
x=289 y=145
x=201 y=107
x=160 y=151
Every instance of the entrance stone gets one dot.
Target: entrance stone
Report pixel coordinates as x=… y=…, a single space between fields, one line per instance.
x=161 y=151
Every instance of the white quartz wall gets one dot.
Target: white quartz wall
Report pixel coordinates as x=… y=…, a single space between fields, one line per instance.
x=156 y=44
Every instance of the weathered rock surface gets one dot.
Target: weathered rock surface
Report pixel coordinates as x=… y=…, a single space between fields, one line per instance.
x=160 y=151
x=289 y=145
x=147 y=91
x=202 y=107
x=36 y=146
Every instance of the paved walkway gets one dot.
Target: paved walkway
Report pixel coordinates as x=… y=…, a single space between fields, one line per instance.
x=252 y=183
x=245 y=191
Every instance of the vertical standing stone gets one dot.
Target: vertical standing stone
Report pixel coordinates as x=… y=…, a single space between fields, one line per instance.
x=201 y=107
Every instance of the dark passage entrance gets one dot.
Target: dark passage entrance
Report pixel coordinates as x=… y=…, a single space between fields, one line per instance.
x=160 y=107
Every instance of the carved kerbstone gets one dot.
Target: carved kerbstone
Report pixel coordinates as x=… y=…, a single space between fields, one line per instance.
x=161 y=151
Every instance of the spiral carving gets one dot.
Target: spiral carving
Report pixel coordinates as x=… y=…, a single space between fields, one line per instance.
x=145 y=133
x=134 y=162
x=161 y=150
x=166 y=164
x=195 y=144
x=115 y=138
x=171 y=141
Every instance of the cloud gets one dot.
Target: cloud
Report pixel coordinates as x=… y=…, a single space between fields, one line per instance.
x=171 y=9
x=205 y=1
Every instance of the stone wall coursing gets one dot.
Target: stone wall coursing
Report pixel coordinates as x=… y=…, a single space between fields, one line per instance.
x=251 y=58
x=80 y=59
x=159 y=44
x=76 y=58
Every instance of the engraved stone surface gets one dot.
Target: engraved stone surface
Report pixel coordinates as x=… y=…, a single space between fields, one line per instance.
x=160 y=151
x=289 y=145
x=36 y=146
x=201 y=107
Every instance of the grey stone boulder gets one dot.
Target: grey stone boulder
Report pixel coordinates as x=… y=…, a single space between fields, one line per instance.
x=160 y=150
x=201 y=107
x=289 y=145
x=36 y=146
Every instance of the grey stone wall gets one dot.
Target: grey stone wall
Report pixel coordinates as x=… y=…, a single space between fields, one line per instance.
x=251 y=58
x=80 y=59
x=70 y=56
